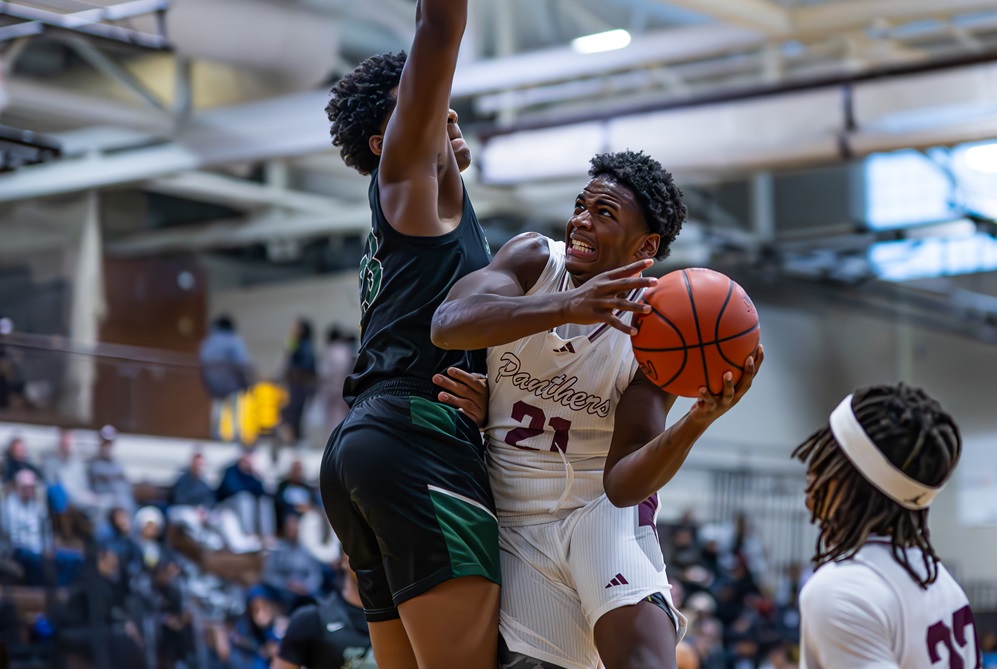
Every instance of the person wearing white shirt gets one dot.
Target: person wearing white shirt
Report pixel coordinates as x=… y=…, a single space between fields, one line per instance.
x=23 y=516
x=880 y=597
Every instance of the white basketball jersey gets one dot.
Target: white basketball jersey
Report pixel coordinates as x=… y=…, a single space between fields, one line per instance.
x=552 y=406
x=869 y=612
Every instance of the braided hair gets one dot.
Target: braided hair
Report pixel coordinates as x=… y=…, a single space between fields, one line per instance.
x=919 y=438
x=360 y=105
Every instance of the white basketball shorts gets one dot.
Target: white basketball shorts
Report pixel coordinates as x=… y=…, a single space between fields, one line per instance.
x=560 y=577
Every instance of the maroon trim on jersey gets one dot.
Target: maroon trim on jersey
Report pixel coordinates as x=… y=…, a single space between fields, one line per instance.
x=619 y=312
x=646 y=511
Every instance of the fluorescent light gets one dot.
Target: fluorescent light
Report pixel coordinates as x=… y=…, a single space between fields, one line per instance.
x=982 y=158
x=607 y=41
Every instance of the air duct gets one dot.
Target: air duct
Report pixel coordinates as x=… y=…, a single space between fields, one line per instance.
x=299 y=45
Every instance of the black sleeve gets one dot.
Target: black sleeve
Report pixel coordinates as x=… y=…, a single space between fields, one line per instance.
x=303 y=632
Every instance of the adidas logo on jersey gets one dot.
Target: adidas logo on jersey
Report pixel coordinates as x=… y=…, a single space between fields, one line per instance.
x=618 y=580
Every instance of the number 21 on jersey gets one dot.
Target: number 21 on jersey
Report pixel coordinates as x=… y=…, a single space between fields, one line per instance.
x=521 y=411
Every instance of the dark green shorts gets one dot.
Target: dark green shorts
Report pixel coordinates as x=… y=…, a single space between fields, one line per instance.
x=405 y=486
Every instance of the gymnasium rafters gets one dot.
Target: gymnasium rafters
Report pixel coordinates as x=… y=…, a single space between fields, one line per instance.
x=241 y=86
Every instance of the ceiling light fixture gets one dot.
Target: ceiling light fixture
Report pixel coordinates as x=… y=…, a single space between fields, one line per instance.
x=599 y=42
x=982 y=158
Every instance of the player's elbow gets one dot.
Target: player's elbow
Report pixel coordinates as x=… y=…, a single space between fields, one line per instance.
x=442 y=333
x=619 y=495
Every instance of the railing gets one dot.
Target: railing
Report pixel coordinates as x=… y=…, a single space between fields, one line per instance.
x=51 y=380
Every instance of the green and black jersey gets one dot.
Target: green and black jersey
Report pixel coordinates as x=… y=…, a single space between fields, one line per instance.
x=403 y=279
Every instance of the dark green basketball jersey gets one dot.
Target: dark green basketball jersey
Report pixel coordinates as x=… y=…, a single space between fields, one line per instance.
x=403 y=279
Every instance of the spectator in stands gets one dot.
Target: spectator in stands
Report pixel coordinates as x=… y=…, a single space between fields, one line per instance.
x=686 y=657
x=988 y=645
x=176 y=629
x=24 y=522
x=683 y=550
x=190 y=501
x=331 y=634
x=747 y=544
x=294 y=495
x=226 y=370
x=256 y=637
x=301 y=376
x=336 y=364
x=16 y=461
x=240 y=477
x=149 y=521
x=97 y=622
x=121 y=542
x=11 y=381
x=107 y=475
x=316 y=535
x=290 y=570
x=190 y=489
x=245 y=513
x=66 y=471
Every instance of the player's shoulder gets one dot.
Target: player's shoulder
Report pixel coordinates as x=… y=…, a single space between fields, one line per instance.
x=525 y=256
x=528 y=247
x=848 y=588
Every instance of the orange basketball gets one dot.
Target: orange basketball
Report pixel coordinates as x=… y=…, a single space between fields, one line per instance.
x=701 y=325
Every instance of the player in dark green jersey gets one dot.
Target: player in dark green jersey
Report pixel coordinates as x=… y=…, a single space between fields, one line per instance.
x=403 y=477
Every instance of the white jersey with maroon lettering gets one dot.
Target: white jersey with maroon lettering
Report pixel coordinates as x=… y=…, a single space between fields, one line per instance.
x=552 y=407
x=867 y=611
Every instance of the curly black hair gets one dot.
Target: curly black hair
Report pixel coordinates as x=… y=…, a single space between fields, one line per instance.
x=915 y=434
x=361 y=101
x=659 y=197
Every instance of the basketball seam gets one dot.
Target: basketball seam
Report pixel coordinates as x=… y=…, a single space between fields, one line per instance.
x=739 y=368
x=684 y=349
x=723 y=308
x=707 y=343
x=699 y=333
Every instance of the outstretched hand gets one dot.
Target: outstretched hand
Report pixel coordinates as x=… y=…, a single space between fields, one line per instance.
x=597 y=300
x=466 y=392
x=708 y=407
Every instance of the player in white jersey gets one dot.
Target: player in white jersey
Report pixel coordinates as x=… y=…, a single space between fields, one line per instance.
x=880 y=597
x=577 y=441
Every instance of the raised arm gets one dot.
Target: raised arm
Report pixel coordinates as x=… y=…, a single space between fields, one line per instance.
x=421 y=189
x=644 y=456
x=490 y=307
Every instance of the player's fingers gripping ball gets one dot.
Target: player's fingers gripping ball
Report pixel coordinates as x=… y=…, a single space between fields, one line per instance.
x=701 y=325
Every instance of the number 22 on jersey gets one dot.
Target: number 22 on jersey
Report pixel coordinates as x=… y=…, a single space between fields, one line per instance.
x=954 y=640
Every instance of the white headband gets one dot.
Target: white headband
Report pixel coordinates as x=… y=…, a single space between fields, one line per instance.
x=873 y=465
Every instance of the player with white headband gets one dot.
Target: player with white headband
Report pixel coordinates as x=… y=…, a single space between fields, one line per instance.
x=881 y=598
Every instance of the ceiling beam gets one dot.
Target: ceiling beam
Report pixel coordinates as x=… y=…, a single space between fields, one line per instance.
x=341 y=217
x=564 y=64
x=760 y=15
x=813 y=20
x=268 y=226
x=67 y=108
x=292 y=125
x=240 y=194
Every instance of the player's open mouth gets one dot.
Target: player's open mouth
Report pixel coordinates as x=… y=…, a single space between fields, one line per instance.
x=580 y=249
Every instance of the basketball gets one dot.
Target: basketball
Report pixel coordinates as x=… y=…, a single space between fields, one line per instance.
x=701 y=325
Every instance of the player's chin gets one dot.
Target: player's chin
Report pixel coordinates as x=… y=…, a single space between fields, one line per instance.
x=462 y=152
x=579 y=269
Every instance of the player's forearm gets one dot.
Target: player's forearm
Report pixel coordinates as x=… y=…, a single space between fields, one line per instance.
x=644 y=472
x=480 y=321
